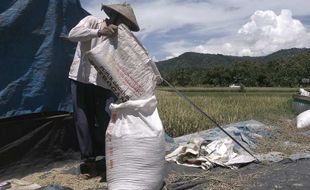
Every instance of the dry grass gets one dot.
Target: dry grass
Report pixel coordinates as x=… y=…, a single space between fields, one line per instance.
x=58 y=177
x=287 y=139
x=226 y=107
x=226 y=89
x=224 y=180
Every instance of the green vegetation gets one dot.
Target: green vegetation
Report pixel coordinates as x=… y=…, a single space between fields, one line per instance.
x=285 y=68
x=266 y=105
x=225 y=89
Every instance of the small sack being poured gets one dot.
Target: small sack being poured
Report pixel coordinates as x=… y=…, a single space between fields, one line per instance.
x=125 y=65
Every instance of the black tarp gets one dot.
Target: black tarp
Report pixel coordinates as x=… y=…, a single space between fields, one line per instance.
x=35 y=140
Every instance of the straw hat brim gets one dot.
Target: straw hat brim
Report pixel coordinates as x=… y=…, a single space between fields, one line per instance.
x=125 y=11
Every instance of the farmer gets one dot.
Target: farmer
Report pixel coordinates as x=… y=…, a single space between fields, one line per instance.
x=90 y=94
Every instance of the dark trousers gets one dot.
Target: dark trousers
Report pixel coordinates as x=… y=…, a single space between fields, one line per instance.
x=91 y=114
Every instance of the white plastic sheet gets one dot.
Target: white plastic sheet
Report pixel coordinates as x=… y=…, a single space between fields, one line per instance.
x=16 y=184
x=205 y=154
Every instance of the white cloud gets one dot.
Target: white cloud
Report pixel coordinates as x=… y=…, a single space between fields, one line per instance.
x=161 y=16
x=213 y=21
x=264 y=34
x=176 y=48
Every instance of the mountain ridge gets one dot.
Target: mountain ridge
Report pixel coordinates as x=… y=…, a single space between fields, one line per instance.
x=208 y=60
x=282 y=68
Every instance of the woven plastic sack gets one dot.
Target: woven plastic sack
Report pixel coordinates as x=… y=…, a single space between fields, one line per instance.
x=303 y=119
x=125 y=65
x=303 y=92
x=135 y=146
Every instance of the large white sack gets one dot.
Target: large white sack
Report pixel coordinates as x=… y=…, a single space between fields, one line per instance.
x=125 y=65
x=303 y=119
x=135 y=148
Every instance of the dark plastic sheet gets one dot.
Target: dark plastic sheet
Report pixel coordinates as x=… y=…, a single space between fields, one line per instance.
x=34 y=140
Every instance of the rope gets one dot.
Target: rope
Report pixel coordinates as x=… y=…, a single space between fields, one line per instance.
x=10 y=120
x=206 y=115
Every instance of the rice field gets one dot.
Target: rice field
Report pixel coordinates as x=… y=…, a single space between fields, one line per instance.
x=226 y=106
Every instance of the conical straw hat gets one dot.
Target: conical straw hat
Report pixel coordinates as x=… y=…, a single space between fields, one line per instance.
x=125 y=10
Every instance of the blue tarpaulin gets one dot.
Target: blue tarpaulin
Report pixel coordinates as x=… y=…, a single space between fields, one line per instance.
x=35 y=55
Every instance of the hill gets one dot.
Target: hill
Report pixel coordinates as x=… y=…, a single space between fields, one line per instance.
x=282 y=68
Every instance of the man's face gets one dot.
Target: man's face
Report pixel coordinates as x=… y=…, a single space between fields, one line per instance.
x=118 y=19
x=114 y=18
x=124 y=21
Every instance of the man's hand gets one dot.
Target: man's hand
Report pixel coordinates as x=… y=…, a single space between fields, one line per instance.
x=108 y=31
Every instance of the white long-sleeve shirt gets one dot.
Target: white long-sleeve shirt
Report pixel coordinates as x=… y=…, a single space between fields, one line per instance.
x=86 y=34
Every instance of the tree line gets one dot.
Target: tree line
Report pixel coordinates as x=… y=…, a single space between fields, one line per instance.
x=280 y=72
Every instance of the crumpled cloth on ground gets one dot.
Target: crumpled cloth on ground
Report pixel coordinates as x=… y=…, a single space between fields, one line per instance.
x=207 y=154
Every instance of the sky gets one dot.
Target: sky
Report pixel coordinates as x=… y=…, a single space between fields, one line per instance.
x=230 y=27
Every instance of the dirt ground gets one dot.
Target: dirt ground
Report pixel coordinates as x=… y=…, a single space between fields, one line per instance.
x=67 y=176
x=283 y=175
x=286 y=174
